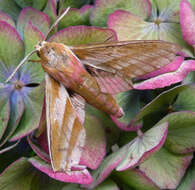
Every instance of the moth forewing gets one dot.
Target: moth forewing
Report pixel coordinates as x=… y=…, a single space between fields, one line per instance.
x=66 y=135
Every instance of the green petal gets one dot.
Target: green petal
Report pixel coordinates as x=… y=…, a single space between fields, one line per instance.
x=18 y=176
x=188 y=181
x=95 y=143
x=11 y=47
x=38 y=18
x=4 y=114
x=10 y=7
x=107 y=185
x=31 y=37
x=6 y=18
x=180 y=138
x=103 y=8
x=76 y=17
x=39 y=4
x=132 y=27
x=72 y=3
x=169 y=8
x=111 y=131
x=33 y=107
x=21 y=175
x=166 y=169
x=135 y=178
x=130 y=102
x=185 y=99
x=17 y=109
x=76 y=35
x=161 y=103
x=50 y=10
x=24 y=3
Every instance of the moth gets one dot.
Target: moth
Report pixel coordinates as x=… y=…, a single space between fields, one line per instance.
x=93 y=73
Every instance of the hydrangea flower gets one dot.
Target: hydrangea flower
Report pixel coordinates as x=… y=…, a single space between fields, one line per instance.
x=149 y=133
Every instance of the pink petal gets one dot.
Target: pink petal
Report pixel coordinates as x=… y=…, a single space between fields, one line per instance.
x=6 y=18
x=187 y=21
x=81 y=177
x=38 y=18
x=173 y=66
x=95 y=143
x=167 y=79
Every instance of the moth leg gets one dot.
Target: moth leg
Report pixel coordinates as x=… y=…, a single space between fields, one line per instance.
x=34 y=61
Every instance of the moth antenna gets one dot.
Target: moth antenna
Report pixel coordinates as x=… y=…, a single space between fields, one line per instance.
x=56 y=22
x=19 y=65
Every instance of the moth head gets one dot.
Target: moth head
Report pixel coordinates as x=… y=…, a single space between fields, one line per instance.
x=40 y=45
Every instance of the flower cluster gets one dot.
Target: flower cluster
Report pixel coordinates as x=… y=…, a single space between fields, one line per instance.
x=150 y=147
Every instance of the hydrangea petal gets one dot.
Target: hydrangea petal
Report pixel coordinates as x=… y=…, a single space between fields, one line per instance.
x=24 y=3
x=95 y=143
x=169 y=172
x=15 y=175
x=187 y=21
x=33 y=100
x=135 y=178
x=21 y=175
x=6 y=18
x=132 y=27
x=103 y=8
x=4 y=115
x=12 y=47
x=106 y=167
x=17 y=109
x=40 y=152
x=180 y=138
x=129 y=102
x=167 y=79
x=75 y=35
x=10 y=7
x=107 y=185
x=168 y=10
x=34 y=70
x=72 y=3
x=76 y=17
x=185 y=99
x=120 y=156
x=81 y=177
x=36 y=18
x=111 y=131
x=142 y=147
x=188 y=182
x=50 y=10
x=160 y=104
x=39 y=4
